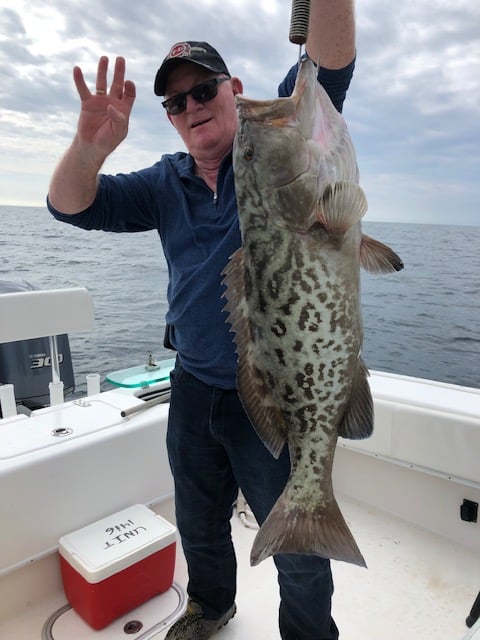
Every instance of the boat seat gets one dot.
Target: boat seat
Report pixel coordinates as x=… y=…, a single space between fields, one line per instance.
x=49 y=313
x=36 y=314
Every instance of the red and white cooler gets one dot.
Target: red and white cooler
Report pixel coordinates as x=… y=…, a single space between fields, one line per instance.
x=117 y=563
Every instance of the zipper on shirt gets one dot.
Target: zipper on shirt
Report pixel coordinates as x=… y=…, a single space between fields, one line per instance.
x=215 y=198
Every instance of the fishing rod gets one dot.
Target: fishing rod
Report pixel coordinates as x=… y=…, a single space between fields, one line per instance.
x=299 y=23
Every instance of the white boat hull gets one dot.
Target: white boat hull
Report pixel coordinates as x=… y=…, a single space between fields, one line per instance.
x=401 y=492
x=100 y=463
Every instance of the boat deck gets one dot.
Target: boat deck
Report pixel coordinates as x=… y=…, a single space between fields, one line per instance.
x=417 y=586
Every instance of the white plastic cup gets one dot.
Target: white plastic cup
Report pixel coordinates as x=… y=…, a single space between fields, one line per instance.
x=93 y=384
x=56 y=393
x=7 y=400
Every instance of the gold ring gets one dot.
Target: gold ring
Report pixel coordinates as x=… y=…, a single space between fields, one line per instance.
x=100 y=92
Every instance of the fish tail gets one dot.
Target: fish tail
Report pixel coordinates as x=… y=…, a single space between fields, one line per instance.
x=291 y=529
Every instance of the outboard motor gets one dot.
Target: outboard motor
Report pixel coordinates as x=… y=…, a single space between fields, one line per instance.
x=27 y=363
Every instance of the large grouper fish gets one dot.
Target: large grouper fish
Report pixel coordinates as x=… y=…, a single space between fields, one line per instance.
x=293 y=303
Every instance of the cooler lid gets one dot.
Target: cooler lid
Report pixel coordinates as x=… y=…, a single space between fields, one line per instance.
x=111 y=544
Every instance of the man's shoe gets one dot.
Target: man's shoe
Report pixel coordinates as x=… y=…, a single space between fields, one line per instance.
x=193 y=626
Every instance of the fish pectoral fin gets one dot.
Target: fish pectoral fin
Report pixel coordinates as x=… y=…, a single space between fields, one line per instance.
x=377 y=257
x=357 y=422
x=252 y=388
x=341 y=206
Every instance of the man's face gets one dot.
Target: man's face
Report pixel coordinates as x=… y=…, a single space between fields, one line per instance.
x=207 y=129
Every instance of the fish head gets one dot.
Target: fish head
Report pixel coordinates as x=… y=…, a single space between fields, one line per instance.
x=287 y=151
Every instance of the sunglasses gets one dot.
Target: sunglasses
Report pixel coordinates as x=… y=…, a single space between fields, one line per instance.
x=200 y=93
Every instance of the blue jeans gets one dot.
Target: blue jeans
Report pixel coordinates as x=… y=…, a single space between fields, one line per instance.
x=214 y=450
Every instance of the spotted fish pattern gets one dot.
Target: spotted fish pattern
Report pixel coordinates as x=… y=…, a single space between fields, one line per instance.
x=293 y=302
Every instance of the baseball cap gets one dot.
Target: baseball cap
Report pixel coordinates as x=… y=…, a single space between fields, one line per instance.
x=200 y=53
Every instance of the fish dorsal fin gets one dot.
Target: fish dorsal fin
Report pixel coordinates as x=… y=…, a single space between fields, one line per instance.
x=252 y=388
x=341 y=206
x=357 y=422
x=377 y=257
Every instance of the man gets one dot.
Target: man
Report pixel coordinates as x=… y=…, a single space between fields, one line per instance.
x=189 y=198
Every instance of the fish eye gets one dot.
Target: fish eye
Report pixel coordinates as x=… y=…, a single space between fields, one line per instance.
x=248 y=152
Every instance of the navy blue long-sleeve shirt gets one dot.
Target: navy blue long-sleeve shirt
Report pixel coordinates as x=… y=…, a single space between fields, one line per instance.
x=199 y=231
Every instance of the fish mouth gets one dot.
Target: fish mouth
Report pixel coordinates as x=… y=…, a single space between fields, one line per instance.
x=278 y=112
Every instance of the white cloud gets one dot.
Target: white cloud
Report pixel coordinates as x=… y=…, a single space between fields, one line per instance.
x=413 y=106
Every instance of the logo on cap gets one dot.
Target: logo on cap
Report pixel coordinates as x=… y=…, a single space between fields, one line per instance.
x=179 y=50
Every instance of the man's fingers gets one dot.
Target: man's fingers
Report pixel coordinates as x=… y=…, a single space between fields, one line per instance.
x=116 y=89
x=101 y=82
x=83 y=90
x=130 y=91
x=120 y=89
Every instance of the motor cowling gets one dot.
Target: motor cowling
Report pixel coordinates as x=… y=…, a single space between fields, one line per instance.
x=27 y=363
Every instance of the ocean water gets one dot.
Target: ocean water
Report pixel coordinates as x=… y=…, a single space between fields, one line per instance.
x=423 y=321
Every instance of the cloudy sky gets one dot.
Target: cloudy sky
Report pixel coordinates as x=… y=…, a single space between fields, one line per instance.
x=413 y=108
